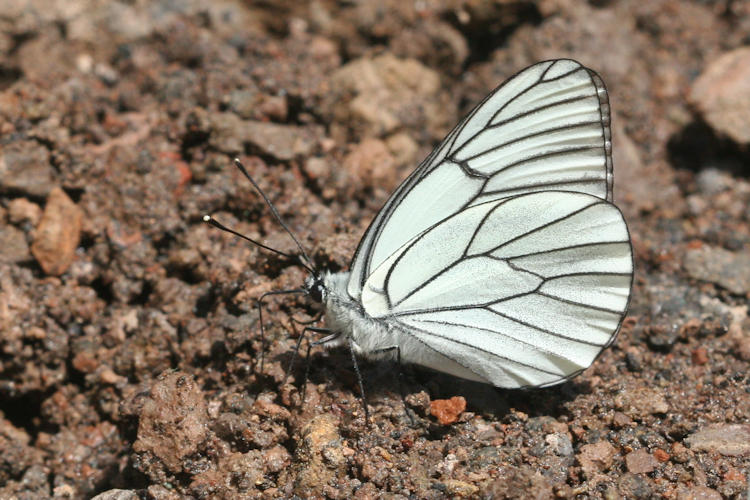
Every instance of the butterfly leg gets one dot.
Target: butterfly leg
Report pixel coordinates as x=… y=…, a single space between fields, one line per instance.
x=359 y=379
x=297 y=346
x=400 y=377
x=307 y=355
x=317 y=318
x=260 y=319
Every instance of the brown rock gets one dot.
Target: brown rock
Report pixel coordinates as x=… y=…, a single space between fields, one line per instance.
x=282 y=142
x=269 y=409
x=621 y=420
x=699 y=493
x=13 y=244
x=173 y=421
x=21 y=210
x=680 y=453
x=640 y=462
x=85 y=362
x=596 y=457
x=661 y=455
x=25 y=168
x=727 y=439
x=377 y=96
x=372 y=162
x=727 y=269
x=319 y=457
x=722 y=94
x=108 y=376
x=58 y=233
x=732 y=474
x=447 y=411
x=460 y=489
x=699 y=356
x=641 y=402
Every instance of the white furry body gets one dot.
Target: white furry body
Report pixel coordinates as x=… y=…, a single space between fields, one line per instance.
x=378 y=338
x=370 y=338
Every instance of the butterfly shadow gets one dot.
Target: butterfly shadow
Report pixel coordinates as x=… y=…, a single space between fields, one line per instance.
x=496 y=403
x=381 y=381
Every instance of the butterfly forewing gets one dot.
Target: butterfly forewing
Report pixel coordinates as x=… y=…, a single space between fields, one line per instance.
x=547 y=128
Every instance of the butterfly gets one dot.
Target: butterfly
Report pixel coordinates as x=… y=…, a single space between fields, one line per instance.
x=501 y=258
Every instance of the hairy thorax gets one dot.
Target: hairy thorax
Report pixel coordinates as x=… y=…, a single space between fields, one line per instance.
x=371 y=338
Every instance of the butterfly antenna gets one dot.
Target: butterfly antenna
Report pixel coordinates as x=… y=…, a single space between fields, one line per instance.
x=307 y=264
x=218 y=225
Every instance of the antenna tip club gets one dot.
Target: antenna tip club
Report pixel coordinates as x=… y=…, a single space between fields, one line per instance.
x=206 y=218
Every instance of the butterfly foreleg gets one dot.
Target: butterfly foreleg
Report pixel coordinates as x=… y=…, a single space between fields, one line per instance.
x=385 y=351
x=259 y=304
x=297 y=346
x=359 y=379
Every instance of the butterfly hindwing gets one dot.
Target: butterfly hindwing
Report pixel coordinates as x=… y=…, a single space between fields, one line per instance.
x=522 y=291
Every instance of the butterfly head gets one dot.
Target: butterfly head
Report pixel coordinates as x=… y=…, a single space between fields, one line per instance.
x=315 y=288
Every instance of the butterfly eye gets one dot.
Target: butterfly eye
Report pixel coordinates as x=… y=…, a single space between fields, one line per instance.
x=315 y=289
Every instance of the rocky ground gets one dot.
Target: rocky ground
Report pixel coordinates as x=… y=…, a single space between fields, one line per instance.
x=129 y=339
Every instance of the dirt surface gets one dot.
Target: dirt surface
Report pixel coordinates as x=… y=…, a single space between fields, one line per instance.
x=129 y=338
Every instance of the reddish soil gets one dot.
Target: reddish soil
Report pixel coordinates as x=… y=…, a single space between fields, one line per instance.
x=129 y=337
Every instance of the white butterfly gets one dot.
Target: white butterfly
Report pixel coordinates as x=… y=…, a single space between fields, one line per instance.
x=501 y=258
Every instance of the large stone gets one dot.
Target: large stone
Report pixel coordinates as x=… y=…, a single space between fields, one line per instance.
x=727 y=269
x=282 y=142
x=173 y=421
x=379 y=96
x=727 y=439
x=722 y=94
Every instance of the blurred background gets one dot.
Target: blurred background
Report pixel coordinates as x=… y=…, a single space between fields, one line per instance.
x=129 y=337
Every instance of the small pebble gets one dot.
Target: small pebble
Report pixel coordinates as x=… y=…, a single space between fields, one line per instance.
x=699 y=493
x=729 y=270
x=58 y=233
x=699 y=356
x=22 y=210
x=722 y=94
x=640 y=462
x=447 y=411
x=661 y=455
x=596 y=457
